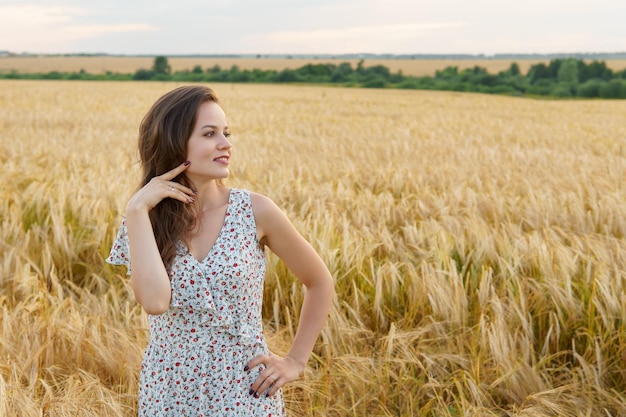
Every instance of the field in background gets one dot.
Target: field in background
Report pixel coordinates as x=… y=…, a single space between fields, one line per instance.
x=477 y=243
x=100 y=65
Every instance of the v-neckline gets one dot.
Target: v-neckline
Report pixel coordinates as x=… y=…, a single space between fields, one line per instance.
x=227 y=216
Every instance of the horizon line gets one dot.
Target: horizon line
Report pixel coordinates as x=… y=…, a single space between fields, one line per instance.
x=354 y=55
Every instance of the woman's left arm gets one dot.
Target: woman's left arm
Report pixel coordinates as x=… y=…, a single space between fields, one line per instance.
x=278 y=233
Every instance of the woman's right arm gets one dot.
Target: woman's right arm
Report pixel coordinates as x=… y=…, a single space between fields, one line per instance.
x=149 y=279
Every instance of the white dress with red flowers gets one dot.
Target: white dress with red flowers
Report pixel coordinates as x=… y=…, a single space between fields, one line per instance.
x=194 y=362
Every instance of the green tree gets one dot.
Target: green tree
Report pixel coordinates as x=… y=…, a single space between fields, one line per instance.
x=562 y=90
x=342 y=72
x=377 y=71
x=477 y=76
x=143 y=75
x=514 y=70
x=448 y=73
x=287 y=76
x=553 y=68
x=161 y=66
x=615 y=88
x=216 y=69
x=598 y=69
x=316 y=73
x=538 y=72
x=541 y=87
x=376 y=81
x=359 y=66
x=590 y=88
x=568 y=72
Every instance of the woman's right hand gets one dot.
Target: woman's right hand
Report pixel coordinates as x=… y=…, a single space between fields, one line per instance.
x=159 y=188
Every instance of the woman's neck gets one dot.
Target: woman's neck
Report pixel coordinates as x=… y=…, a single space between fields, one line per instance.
x=210 y=195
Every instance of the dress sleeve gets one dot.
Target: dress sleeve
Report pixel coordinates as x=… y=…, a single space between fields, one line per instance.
x=120 y=252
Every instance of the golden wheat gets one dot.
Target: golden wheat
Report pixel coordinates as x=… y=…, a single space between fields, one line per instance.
x=477 y=244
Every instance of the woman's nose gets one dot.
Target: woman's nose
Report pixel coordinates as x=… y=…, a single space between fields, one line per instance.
x=225 y=143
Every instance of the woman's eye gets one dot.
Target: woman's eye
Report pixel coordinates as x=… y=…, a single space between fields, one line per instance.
x=227 y=134
x=209 y=133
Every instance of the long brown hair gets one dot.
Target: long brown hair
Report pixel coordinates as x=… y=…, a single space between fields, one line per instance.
x=163 y=136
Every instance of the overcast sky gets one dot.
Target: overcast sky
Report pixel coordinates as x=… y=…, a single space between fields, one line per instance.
x=312 y=26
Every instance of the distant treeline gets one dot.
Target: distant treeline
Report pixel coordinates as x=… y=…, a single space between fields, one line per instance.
x=561 y=77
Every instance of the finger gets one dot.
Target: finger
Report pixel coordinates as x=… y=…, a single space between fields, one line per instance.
x=169 y=175
x=275 y=384
x=256 y=361
x=175 y=193
x=256 y=389
x=264 y=383
x=183 y=189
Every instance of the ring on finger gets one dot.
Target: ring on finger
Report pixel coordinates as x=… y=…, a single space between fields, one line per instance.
x=171 y=188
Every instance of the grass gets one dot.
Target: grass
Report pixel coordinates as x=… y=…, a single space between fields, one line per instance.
x=477 y=244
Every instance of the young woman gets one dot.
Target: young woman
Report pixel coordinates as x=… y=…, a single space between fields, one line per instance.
x=194 y=250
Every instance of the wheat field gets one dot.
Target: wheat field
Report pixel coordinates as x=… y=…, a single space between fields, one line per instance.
x=477 y=244
x=129 y=64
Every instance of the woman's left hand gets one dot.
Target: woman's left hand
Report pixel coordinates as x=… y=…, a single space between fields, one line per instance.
x=278 y=371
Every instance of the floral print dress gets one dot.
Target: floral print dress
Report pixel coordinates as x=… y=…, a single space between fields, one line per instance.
x=194 y=362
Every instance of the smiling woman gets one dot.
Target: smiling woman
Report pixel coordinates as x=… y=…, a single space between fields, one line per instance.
x=194 y=250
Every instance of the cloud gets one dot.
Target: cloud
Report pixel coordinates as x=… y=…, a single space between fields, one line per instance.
x=39 y=28
x=374 y=38
x=310 y=26
x=95 y=30
x=543 y=43
x=391 y=32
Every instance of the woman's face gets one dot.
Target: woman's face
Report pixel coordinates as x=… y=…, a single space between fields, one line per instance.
x=208 y=147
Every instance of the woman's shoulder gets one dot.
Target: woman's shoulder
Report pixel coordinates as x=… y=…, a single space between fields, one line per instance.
x=260 y=203
x=268 y=216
